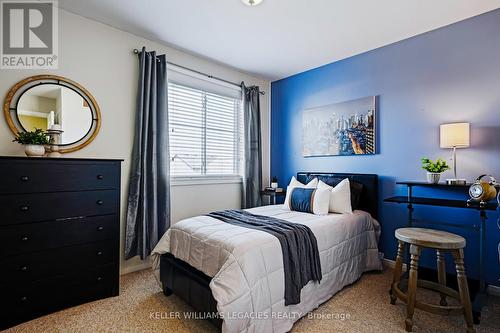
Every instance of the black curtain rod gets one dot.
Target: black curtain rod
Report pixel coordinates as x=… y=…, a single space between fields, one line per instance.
x=136 y=51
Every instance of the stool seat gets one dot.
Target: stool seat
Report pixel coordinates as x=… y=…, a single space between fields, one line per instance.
x=430 y=238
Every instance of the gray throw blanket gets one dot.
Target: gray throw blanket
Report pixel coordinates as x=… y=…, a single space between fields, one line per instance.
x=298 y=244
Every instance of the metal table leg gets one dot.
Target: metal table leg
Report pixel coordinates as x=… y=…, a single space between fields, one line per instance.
x=481 y=296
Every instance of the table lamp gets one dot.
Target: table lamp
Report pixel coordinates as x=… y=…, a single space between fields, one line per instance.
x=455 y=135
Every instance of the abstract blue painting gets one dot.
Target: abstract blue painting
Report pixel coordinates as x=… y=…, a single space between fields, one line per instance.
x=346 y=128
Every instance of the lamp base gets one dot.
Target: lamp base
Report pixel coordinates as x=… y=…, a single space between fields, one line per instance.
x=456 y=181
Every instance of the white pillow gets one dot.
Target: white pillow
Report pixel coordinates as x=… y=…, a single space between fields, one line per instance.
x=340 y=196
x=295 y=183
x=321 y=201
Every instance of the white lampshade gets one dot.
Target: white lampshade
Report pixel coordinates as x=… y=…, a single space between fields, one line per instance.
x=454 y=135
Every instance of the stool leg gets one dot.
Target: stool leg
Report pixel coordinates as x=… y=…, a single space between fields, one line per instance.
x=412 y=286
x=398 y=268
x=463 y=288
x=441 y=274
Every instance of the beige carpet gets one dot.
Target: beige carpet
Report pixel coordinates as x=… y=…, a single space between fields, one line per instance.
x=362 y=307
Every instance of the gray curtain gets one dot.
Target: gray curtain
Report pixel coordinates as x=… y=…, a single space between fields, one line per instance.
x=148 y=210
x=252 y=178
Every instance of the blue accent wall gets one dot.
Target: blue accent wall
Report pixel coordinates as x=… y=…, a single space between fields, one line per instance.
x=447 y=75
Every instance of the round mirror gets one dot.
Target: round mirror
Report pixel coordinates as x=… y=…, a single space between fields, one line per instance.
x=54 y=104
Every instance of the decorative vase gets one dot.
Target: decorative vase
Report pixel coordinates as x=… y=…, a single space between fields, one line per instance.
x=34 y=150
x=433 y=177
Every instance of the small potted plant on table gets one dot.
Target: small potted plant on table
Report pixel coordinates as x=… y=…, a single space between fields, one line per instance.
x=274 y=182
x=434 y=169
x=33 y=141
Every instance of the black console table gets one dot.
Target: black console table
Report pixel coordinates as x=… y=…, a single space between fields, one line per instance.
x=410 y=201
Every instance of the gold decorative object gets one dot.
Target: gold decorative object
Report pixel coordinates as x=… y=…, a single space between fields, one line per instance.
x=483 y=191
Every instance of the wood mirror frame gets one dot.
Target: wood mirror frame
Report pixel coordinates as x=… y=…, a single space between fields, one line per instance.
x=14 y=94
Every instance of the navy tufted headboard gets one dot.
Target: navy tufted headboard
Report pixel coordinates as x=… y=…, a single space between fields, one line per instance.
x=369 y=196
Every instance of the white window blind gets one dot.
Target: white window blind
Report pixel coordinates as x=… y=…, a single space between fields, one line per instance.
x=206 y=133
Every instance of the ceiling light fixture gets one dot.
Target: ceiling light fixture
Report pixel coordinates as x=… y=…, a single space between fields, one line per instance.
x=251 y=2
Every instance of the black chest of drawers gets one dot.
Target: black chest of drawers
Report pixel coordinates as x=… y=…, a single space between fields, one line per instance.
x=59 y=234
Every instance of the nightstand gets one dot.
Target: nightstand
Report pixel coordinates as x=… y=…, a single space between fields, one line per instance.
x=272 y=195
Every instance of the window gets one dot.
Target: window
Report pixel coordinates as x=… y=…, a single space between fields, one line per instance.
x=206 y=133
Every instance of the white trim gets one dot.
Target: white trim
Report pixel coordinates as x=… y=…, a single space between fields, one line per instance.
x=37 y=114
x=388 y=263
x=135 y=268
x=205 y=180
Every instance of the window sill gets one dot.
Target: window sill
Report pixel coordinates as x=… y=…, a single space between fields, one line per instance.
x=204 y=180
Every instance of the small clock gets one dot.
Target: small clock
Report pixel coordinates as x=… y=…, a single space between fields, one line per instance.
x=483 y=191
x=476 y=191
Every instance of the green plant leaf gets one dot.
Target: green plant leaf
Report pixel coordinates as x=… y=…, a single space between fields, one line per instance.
x=36 y=137
x=438 y=166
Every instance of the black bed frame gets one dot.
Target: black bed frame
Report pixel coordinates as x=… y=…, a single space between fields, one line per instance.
x=369 y=197
x=192 y=286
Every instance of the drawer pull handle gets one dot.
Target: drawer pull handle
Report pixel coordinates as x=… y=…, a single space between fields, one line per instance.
x=99 y=278
x=24 y=299
x=25 y=238
x=100 y=228
x=100 y=202
x=24 y=268
x=100 y=177
x=25 y=178
x=99 y=253
x=24 y=208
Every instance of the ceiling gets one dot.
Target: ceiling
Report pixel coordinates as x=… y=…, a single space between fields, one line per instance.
x=278 y=38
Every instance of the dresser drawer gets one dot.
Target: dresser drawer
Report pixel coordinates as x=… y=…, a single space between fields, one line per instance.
x=52 y=176
x=27 y=301
x=24 y=208
x=34 y=237
x=60 y=261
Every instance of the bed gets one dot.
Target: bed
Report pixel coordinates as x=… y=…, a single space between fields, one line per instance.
x=234 y=275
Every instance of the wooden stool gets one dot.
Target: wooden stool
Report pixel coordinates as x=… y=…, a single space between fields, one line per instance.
x=419 y=238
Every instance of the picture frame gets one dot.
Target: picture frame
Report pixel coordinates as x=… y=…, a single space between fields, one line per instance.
x=341 y=129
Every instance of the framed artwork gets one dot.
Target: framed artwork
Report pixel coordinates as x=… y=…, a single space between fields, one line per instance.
x=347 y=128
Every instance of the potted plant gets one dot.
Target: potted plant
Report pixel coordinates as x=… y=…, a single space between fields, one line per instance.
x=33 y=142
x=434 y=169
x=274 y=182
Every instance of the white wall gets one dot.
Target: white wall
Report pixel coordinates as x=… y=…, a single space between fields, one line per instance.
x=37 y=103
x=100 y=58
x=75 y=118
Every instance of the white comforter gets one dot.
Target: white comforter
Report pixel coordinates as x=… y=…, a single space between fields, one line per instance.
x=246 y=265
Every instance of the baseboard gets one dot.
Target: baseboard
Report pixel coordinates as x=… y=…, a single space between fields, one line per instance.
x=134 y=268
x=388 y=263
x=492 y=290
